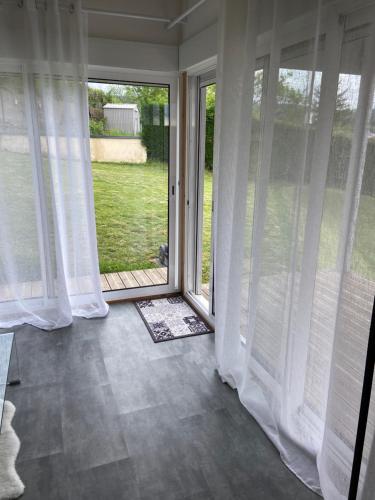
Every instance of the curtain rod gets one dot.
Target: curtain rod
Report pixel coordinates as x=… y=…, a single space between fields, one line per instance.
x=101 y=12
x=141 y=17
x=182 y=16
x=171 y=22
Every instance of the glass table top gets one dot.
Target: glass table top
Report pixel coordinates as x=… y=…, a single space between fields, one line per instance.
x=6 y=344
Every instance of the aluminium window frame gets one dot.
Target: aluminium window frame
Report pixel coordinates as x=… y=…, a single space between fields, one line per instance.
x=170 y=80
x=197 y=82
x=294 y=32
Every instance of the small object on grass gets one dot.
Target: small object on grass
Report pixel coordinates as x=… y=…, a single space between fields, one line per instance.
x=164 y=255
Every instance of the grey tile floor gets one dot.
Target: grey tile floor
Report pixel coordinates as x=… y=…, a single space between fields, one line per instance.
x=104 y=413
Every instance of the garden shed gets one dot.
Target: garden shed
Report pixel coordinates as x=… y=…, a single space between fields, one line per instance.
x=122 y=117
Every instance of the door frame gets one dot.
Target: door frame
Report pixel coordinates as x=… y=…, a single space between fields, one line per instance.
x=194 y=194
x=123 y=76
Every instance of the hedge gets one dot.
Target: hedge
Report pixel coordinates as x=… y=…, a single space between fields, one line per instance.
x=287 y=159
x=209 y=145
x=154 y=133
x=97 y=127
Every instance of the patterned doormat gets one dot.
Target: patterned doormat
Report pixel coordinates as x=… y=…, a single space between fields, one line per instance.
x=171 y=318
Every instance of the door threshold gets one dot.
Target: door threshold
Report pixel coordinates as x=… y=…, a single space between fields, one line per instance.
x=202 y=307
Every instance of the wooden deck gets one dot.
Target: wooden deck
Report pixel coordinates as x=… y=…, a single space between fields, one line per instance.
x=134 y=279
x=205 y=290
x=348 y=328
x=109 y=282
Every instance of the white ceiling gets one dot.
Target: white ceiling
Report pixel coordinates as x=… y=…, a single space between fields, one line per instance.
x=119 y=28
x=204 y=16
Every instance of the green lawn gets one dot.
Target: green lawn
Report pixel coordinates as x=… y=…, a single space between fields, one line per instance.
x=131 y=206
x=132 y=210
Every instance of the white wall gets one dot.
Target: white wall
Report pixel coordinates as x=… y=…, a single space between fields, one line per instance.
x=199 y=49
x=124 y=150
x=199 y=35
x=133 y=55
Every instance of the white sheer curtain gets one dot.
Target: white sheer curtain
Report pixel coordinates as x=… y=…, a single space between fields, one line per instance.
x=48 y=255
x=295 y=190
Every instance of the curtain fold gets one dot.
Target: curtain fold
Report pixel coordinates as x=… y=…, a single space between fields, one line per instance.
x=48 y=254
x=295 y=198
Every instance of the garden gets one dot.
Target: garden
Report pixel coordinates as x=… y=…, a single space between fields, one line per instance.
x=131 y=206
x=131 y=200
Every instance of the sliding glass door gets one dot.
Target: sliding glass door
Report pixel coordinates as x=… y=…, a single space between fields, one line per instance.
x=133 y=188
x=204 y=254
x=200 y=260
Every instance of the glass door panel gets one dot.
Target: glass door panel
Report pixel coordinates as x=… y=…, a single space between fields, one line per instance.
x=129 y=143
x=204 y=211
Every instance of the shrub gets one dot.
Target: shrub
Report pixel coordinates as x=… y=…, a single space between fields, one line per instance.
x=97 y=127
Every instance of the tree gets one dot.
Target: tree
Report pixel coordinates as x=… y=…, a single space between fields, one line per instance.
x=344 y=111
x=138 y=94
x=97 y=98
x=210 y=125
x=290 y=97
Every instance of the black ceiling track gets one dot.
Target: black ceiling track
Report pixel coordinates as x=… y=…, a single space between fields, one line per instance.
x=364 y=409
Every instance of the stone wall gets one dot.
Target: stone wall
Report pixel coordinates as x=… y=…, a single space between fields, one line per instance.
x=127 y=150
x=117 y=149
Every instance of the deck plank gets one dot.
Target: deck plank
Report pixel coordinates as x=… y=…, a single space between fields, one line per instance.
x=114 y=281
x=163 y=271
x=73 y=286
x=155 y=277
x=26 y=289
x=36 y=289
x=85 y=284
x=5 y=293
x=104 y=283
x=128 y=279
x=205 y=289
x=109 y=281
x=142 y=278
